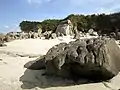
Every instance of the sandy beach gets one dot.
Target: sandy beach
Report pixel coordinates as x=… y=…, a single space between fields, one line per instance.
x=13 y=76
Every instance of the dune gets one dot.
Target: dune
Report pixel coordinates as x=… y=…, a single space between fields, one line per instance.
x=13 y=76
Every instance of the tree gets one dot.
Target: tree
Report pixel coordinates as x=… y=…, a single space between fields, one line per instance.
x=100 y=22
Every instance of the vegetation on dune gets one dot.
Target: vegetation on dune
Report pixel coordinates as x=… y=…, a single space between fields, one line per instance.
x=46 y=25
x=27 y=26
x=50 y=25
x=100 y=22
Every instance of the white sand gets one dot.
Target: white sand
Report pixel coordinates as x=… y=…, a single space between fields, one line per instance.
x=13 y=76
x=33 y=46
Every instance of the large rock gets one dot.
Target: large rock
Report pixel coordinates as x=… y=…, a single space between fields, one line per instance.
x=64 y=28
x=47 y=34
x=2 y=36
x=34 y=35
x=53 y=35
x=118 y=35
x=8 y=38
x=92 y=32
x=78 y=34
x=112 y=35
x=95 y=59
x=39 y=32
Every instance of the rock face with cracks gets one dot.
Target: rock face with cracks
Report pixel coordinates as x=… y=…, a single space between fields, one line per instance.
x=64 y=28
x=94 y=59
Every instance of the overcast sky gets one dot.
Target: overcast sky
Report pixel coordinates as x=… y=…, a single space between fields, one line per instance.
x=12 y=12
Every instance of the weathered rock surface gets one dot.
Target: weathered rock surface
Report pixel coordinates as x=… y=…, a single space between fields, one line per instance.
x=95 y=59
x=64 y=28
x=47 y=34
x=53 y=35
x=2 y=36
x=92 y=32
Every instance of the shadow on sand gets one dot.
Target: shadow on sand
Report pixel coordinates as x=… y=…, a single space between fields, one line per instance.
x=34 y=78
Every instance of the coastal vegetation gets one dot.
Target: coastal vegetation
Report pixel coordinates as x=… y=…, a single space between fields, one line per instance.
x=99 y=22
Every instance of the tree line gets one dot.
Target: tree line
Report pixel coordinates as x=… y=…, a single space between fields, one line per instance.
x=100 y=22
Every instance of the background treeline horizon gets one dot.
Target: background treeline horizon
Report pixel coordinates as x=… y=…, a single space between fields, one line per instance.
x=100 y=22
